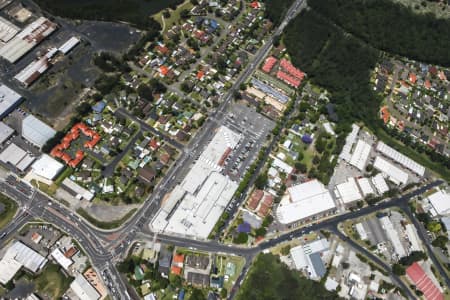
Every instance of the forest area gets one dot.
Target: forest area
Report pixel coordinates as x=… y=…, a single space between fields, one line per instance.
x=391 y=27
x=134 y=12
x=342 y=63
x=271 y=279
x=276 y=9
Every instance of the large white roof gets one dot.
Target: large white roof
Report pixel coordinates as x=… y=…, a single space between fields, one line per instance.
x=194 y=206
x=413 y=238
x=36 y=131
x=5 y=132
x=400 y=158
x=360 y=155
x=65 y=262
x=349 y=141
x=8 y=99
x=307 y=199
x=47 y=167
x=9 y=267
x=348 y=191
x=25 y=256
x=395 y=174
x=16 y=156
x=380 y=184
x=83 y=289
x=364 y=185
x=392 y=235
x=300 y=254
x=441 y=202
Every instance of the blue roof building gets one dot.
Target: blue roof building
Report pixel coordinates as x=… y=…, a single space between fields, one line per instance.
x=99 y=107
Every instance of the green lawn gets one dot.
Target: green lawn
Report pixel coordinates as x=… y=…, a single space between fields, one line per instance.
x=174 y=15
x=221 y=262
x=9 y=212
x=51 y=282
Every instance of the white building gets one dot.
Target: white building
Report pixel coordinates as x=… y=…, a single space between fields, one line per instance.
x=440 y=202
x=401 y=159
x=36 y=132
x=16 y=157
x=360 y=155
x=392 y=235
x=303 y=201
x=413 y=238
x=47 y=167
x=9 y=100
x=5 y=132
x=380 y=184
x=196 y=204
x=394 y=174
x=61 y=259
x=307 y=258
x=27 y=39
x=83 y=289
x=365 y=186
x=349 y=141
x=348 y=191
x=17 y=256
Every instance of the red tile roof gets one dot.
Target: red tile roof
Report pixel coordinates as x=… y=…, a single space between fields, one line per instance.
x=412 y=78
x=423 y=282
x=178 y=258
x=289 y=68
x=175 y=270
x=255 y=198
x=269 y=63
x=291 y=80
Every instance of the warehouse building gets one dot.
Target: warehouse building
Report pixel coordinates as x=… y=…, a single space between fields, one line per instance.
x=9 y=100
x=396 y=175
x=440 y=202
x=196 y=204
x=401 y=159
x=16 y=157
x=304 y=202
x=7 y=30
x=36 y=132
x=27 y=39
x=46 y=168
x=5 y=132
x=360 y=155
x=348 y=192
x=83 y=289
x=380 y=184
x=307 y=258
x=17 y=256
x=365 y=186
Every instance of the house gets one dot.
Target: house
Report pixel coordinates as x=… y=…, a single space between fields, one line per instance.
x=198 y=279
x=164 y=261
x=146 y=174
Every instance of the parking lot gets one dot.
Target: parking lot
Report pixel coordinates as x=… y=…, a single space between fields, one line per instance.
x=254 y=129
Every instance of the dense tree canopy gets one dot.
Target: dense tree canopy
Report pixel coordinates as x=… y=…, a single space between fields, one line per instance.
x=276 y=9
x=269 y=279
x=391 y=27
x=135 y=12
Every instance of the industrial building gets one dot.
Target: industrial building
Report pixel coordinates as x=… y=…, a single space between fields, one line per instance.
x=27 y=39
x=69 y=45
x=61 y=259
x=305 y=201
x=7 y=30
x=346 y=153
x=17 y=256
x=380 y=184
x=423 y=282
x=16 y=157
x=392 y=235
x=360 y=155
x=9 y=100
x=5 y=132
x=308 y=258
x=348 y=192
x=401 y=159
x=440 y=202
x=83 y=289
x=196 y=204
x=46 y=167
x=396 y=175
x=365 y=186
x=36 y=132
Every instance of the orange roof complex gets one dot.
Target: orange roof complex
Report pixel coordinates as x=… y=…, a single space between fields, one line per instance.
x=293 y=71
x=269 y=63
x=73 y=134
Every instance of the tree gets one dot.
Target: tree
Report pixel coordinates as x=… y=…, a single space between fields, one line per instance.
x=223 y=293
x=398 y=269
x=441 y=242
x=83 y=109
x=197 y=295
x=184 y=14
x=286 y=249
x=145 y=92
x=261 y=181
x=345 y=265
x=241 y=238
x=434 y=226
x=412 y=257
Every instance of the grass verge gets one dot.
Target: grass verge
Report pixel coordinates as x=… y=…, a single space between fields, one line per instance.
x=10 y=208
